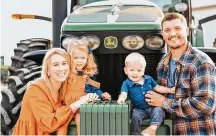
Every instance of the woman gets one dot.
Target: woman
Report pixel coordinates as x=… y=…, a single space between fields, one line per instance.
x=43 y=111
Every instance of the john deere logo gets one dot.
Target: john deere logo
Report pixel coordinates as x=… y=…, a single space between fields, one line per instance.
x=110 y=42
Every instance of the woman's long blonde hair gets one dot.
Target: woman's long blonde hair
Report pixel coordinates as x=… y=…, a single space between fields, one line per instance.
x=80 y=46
x=46 y=62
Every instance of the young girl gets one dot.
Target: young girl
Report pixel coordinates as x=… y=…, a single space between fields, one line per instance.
x=82 y=77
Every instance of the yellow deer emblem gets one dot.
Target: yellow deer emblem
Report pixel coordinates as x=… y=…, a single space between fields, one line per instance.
x=110 y=42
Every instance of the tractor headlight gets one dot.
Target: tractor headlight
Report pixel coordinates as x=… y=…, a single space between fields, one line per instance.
x=66 y=41
x=181 y=7
x=133 y=42
x=154 y=42
x=92 y=41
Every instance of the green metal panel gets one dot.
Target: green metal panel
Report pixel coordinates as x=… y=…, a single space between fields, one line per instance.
x=83 y=2
x=88 y=119
x=199 y=38
x=118 y=119
x=72 y=128
x=83 y=119
x=117 y=26
x=169 y=123
x=94 y=119
x=106 y=119
x=112 y=119
x=125 y=119
x=101 y=119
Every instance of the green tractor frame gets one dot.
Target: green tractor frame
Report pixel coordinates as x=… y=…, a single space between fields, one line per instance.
x=114 y=29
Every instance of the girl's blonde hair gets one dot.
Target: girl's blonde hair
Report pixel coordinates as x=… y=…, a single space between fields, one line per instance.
x=81 y=46
x=46 y=62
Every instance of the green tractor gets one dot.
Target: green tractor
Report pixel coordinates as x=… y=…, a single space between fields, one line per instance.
x=113 y=29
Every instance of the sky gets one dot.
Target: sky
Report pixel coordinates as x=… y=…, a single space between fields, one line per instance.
x=12 y=31
x=199 y=3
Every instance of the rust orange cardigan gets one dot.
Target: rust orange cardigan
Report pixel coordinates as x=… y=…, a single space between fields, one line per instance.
x=41 y=114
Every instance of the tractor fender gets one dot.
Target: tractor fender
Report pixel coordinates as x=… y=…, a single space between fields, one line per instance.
x=36 y=56
x=210 y=51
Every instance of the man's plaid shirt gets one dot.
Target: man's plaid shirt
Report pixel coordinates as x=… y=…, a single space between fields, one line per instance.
x=194 y=106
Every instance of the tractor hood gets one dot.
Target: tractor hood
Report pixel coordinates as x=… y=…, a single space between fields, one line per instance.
x=115 y=15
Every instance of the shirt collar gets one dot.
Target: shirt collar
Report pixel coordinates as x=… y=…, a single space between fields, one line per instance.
x=131 y=83
x=183 y=58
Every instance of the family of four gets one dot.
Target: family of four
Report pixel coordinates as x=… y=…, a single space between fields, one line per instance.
x=186 y=88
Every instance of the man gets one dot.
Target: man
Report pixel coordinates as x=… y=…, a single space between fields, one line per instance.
x=192 y=72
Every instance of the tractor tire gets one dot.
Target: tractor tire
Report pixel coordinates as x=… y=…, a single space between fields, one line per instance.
x=21 y=72
x=23 y=47
x=12 y=97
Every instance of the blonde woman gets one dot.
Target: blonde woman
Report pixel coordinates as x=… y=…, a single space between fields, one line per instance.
x=43 y=111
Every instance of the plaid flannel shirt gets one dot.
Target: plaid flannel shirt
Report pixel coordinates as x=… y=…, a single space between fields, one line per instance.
x=194 y=106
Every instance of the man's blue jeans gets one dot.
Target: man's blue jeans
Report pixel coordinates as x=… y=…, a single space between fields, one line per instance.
x=156 y=114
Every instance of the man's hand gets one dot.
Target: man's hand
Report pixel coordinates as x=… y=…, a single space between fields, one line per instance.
x=154 y=99
x=106 y=96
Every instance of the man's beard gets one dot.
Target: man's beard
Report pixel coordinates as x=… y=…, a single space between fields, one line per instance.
x=176 y=47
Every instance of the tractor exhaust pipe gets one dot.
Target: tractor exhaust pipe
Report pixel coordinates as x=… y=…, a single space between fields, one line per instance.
x=59 y=13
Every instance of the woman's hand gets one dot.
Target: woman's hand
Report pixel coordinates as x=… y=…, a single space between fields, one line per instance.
x=84 y=99
x=106 y=96
x=90 y=97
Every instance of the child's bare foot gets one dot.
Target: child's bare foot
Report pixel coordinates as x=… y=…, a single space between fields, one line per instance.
x=149 y=132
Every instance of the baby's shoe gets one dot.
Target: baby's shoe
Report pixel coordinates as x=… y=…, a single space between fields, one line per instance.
x=148 y=132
